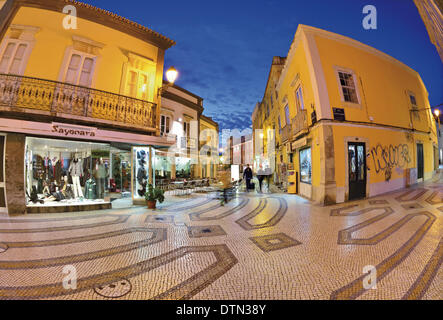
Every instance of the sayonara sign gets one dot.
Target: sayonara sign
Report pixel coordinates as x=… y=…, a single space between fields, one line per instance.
x=72 y=131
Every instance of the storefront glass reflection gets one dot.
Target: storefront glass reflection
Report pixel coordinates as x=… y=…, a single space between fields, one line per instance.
x=66 y=172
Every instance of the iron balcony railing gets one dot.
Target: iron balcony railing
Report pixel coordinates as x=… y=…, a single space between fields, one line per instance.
x=299 y=123
x=68 y=101
x=286 y=133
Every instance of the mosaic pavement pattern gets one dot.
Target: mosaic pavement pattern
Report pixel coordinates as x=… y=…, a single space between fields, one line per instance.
x=268 y=246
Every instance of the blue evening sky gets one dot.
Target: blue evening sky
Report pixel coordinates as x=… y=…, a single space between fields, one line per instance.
x=224 y=48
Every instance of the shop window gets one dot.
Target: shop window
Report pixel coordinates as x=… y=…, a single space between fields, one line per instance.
x=183 y=167
x=348 y=86
x=66 y=172
x=12 y=59
x=305 y=165
x=162 y=167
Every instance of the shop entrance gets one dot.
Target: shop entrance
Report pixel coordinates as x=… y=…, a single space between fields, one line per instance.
x=2 y=176
x=420 y=161
x=357 y=170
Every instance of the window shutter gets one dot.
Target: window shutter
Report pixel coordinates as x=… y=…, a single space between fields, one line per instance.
x=6 y=58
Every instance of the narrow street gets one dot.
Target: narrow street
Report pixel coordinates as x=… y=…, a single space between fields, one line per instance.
x=258 y=246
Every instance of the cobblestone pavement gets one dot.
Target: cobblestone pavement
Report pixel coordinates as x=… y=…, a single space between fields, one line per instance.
x=258 y=246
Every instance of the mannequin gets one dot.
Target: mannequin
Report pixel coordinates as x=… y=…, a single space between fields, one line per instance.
x=76 y=170
x=141 y=178
x=101 y=174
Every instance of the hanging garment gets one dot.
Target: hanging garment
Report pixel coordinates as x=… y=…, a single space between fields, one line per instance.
x=86 y=170
x=50 y=170
x=90 y=189
x=40 y=185
x=58 y=172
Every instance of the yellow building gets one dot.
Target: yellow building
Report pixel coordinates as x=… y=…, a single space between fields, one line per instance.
x=209 y=141
x=355 y=122
x=78 y=84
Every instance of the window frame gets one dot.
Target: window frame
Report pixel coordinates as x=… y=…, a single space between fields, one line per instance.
x=163 y=132
x=299 y=164
x=26 y=53
x=70 y=51
x=299 y=88
x=340 y=87
x=287 y=115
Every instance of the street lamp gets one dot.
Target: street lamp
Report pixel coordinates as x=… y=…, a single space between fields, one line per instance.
x=171 y=76
x=437 y=114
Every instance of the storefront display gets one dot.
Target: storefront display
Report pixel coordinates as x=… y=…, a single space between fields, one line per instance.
x=141 y=170
x=162 y=165
x=65 y=172
x=183 y=167
x=305 y=165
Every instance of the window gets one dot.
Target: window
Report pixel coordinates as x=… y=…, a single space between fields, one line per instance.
x=299 y=99
x=412 y=99
x=12 y=58
x=267 y=110
x=80 y=70
x=279 y=124
x=305 y=165
x=348 y=86
x=137 y=84
x=288 y=121
x=164 y=124
x=272 y=103
x=187 y=129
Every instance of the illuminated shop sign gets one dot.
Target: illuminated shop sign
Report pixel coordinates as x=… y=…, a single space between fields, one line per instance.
x=72 y=131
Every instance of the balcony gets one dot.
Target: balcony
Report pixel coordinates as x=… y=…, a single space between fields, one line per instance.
x=286 y=133
x=27 y=95
x=299 y=123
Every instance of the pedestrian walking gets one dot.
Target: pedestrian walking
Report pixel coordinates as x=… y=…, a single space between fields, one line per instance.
x=260 y=177
x=247 y=175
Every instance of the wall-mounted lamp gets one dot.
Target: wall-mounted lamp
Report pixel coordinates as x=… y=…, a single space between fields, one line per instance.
x=171 y=76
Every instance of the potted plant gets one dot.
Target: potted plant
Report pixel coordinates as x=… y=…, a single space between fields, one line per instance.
x=152 y=195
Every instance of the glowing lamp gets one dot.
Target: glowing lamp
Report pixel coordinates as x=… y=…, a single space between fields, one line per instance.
x=437 y=112
x=171 y=75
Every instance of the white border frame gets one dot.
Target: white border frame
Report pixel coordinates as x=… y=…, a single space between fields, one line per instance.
x=3 y=184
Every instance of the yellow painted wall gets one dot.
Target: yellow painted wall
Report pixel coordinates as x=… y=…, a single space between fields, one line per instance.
x=385 y=138
x=299 y=65
x=52 y=40
x=383 y=94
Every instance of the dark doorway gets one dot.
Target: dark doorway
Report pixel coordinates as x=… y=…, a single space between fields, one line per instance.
x=357 y=170
x=420 y=161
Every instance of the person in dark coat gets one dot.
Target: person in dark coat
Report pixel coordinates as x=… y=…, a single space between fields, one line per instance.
x=247 y=175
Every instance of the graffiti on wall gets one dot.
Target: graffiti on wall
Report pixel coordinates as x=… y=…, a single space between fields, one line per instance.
x=386 y=158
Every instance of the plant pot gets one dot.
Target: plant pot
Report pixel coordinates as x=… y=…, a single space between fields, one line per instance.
x=151 y=204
